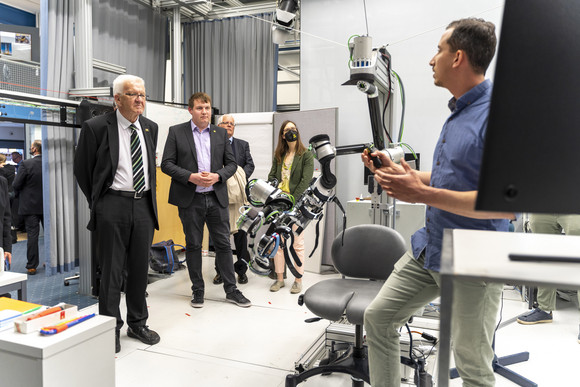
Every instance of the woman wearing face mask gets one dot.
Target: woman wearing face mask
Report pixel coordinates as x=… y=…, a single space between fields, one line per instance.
x=292 y=167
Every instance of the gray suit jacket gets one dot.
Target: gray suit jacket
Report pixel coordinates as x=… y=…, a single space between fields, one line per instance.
x=180 y=161
x=97 y=158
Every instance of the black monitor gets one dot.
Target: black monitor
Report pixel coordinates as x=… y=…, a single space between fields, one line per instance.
x=531 y=159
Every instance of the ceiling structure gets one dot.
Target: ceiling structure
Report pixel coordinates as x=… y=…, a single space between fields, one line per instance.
x=32 y=6
x=188 y=9
x=211 y=9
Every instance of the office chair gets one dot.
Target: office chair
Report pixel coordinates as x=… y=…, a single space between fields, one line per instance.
x=365 y=258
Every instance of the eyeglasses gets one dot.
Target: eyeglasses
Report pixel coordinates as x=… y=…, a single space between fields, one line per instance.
x=135 y=95
x=229 y=123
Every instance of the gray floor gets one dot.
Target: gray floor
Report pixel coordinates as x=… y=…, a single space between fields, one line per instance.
x=224 y=345
x=43 y=289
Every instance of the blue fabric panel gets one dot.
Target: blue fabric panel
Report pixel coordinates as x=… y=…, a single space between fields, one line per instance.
x=17 y=17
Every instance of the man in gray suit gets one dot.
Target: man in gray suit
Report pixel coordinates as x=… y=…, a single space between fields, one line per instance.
x=198 y=157
x=28 y=187
x=244 y=160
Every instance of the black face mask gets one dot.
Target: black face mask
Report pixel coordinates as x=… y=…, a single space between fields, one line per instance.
x=291 y=136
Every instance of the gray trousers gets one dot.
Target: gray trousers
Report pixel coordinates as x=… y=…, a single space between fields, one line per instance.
x=409 y=288
x=553 y=224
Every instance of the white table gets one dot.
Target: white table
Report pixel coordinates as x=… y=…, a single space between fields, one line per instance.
x=483 y=255
x=83 y=355
x=13 y=281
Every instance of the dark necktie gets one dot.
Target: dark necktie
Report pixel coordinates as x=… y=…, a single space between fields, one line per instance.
x=234 y=150
x=137 y=161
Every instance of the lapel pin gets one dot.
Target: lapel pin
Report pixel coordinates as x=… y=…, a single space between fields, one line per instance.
x=146 y=129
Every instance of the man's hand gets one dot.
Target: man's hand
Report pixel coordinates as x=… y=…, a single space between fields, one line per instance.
x=400 y=181
x=204 y=179
x=388 y=165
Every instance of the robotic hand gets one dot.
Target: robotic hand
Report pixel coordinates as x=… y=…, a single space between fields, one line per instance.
x=273 y=208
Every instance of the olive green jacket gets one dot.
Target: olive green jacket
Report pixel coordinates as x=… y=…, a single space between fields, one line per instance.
x=300 y=173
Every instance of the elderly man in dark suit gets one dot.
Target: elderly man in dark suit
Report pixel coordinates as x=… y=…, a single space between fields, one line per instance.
x=28 y=187
x=241 y=150
x=198 y=157
x=115 y=168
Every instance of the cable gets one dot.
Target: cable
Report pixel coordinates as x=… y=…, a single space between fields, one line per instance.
x=388 y=94
x=403 y=104
x=366 y=19
x=411 y=149
x=348 y=46
x=410 y=345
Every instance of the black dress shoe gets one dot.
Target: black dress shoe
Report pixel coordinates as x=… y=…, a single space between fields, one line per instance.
x=144 y=334
x=242 y=278
x=218 y=279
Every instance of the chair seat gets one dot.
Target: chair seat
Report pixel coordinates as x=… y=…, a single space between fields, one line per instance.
x=331 y=299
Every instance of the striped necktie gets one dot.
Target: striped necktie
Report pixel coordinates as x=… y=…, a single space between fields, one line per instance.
x=137 y=161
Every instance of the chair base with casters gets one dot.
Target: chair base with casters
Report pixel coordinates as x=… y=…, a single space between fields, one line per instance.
x=355 y=364
x=365 y=257
x=71 y=278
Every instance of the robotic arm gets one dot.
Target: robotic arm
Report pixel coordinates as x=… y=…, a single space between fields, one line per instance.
x=275 y=209
x=370 y=71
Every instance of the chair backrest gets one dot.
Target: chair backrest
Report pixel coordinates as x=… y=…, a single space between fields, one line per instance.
x=369 y=251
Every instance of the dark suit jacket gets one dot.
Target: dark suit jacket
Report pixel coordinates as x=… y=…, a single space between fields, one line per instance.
x=6 y=216
x=28 y=186
x=300 y=173
x=243 y=157
x=180 y=161
x=97 y=158
x=9 y=172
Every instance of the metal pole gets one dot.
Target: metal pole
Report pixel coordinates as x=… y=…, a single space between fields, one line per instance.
x=176 y=57
x=83 y=59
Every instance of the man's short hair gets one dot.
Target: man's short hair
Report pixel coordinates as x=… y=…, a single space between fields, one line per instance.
x=199 y=96
x=476 y=37
x=38 y=145
x=119 y=82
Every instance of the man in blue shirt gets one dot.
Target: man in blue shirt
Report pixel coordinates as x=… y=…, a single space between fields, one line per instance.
x=449 y=191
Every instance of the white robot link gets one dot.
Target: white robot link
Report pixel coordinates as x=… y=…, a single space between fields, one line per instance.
x=278 y=211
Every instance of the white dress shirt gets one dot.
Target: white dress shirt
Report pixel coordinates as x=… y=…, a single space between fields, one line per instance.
x=124 y=175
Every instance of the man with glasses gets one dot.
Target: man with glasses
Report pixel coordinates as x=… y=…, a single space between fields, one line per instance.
x=115 y=168
x=244 y=160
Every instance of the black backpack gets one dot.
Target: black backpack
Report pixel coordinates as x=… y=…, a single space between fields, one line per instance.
x=163 y=258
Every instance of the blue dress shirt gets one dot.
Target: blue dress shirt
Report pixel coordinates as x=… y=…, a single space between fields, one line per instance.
x=456 y=165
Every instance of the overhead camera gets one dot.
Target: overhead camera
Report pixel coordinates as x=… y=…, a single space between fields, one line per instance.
x=284 y=20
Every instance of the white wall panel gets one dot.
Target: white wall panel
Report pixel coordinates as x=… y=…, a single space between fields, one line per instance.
x=412 y=30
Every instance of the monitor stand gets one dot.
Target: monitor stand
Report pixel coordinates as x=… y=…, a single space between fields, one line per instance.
x=500 y=364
